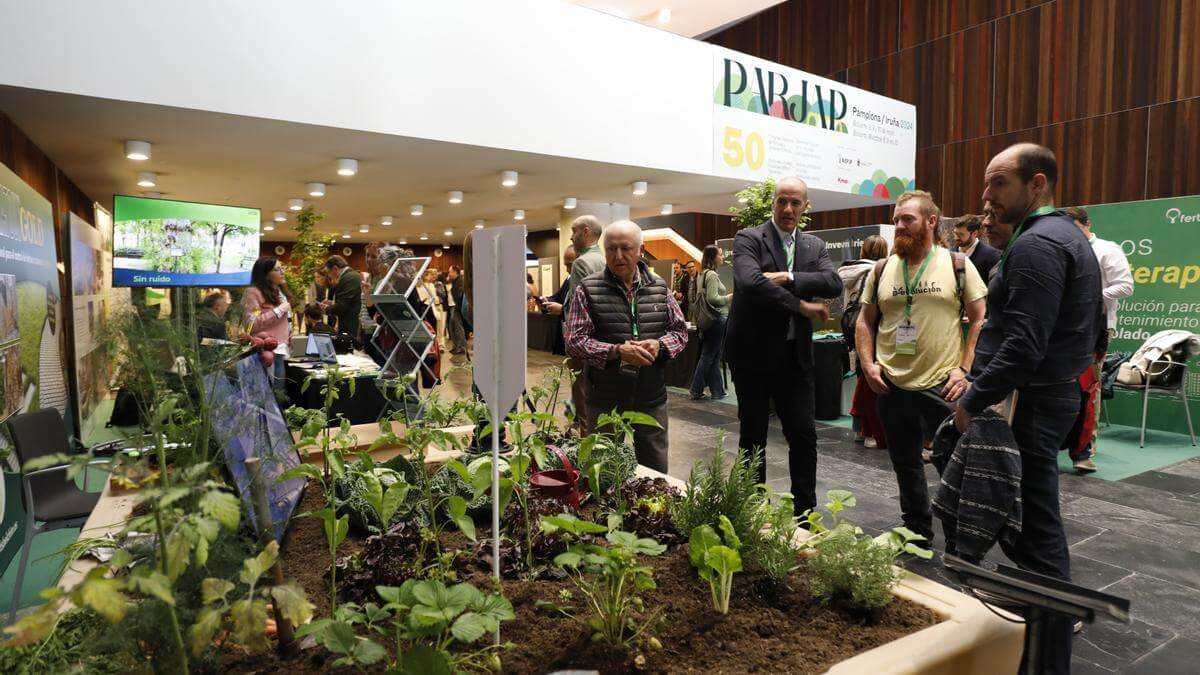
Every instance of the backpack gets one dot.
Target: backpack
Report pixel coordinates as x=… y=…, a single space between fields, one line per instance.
x=854 y=307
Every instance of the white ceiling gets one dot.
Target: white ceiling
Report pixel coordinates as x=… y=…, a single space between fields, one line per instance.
x=689 y=18
x=243 y=161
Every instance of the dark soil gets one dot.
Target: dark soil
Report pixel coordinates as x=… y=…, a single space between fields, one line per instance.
x=769 y=628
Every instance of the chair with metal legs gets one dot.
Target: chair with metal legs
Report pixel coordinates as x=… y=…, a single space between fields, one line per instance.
x=51 y=500
x=1179 y=388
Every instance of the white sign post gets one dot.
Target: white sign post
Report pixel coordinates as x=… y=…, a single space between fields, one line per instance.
x=498 y=315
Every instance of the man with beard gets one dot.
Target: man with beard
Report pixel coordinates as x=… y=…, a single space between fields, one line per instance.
x=779 y=273
x=911 y=346
x=1045 y=322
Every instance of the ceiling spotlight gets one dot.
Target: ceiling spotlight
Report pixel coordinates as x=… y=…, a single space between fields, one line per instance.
x=455 y=196
x=519 y=214
x=666 y=209
x=424 y=237
x=280 y=216
x=386 y=220
x=508 y=178
x=347 y=167
x=147 y=179
x=640 y=187
x=569 y=203
x=403 y=242
x=295 y=204
x=316 y=189
x=268 y=226
x=364 y=228
x=445 y=245
x=664 y=15
x=742 y=199
x=345 y=234
x=479 y=224
x=449 y=233
x=138 y=151
x=416 y=210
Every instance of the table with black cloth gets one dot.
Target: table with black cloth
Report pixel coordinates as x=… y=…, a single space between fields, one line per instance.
x=363 y=407
x=678 y=372
x=542 y=331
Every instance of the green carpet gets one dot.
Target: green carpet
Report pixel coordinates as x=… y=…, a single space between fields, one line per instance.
x=45 y=561
x=1120 y=457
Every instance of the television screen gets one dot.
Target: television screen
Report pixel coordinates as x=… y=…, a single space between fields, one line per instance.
x=161 y=242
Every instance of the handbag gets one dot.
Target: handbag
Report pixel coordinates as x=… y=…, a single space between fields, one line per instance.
x=706 y=316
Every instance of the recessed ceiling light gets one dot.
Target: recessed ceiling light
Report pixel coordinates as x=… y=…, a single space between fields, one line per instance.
x=640 y=187
x=268 y=226
x=138 y=151
x=455 y=196
x=519 y=214
x=295 y=204
x=666 y=209
x=508 y=178
x=345 y=234
x=364 y=228
x=664 y=15
x=449 y=233
x=386 y=220
x=403 y=242
x=445 y=245
x=147 y=179
x=347 y=166
x=416 y=209
x=424 y=237
x=280 y=216
x=316 y=189
x=479 y=224
x=569 y=203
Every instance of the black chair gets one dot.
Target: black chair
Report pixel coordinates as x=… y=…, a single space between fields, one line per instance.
x=48 y=497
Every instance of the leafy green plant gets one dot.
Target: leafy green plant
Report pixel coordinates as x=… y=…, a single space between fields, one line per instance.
x=849 y=567
x=715 y=557
x=308 y=253
x=730 y=489
x=611 y=579
x=376 y=495
x=424 y=620
x=247 y=615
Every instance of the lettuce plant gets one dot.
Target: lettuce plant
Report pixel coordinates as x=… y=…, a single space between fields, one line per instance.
x=716 y=558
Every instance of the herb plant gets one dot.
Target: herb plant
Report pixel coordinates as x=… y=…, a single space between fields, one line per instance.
x=715 y=557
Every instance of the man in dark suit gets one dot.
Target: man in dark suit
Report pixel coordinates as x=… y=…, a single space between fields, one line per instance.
x=970 y=242
x=346 y=302
x=777 y=273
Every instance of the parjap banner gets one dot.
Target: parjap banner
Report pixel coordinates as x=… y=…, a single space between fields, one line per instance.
x=770 y=121
x=1161 y=239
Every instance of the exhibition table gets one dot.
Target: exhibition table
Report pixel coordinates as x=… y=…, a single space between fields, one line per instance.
x=678 y=372
x=542 y=331
x=365 y=405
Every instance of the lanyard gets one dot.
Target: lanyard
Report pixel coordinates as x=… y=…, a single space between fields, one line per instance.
x=1021 y=229
x=909 y=288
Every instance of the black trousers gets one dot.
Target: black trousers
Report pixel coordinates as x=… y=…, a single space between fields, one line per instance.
x=908 y=417
x=789 y=388
x=1044 y=416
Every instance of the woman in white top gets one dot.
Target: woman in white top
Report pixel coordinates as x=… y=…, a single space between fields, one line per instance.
x=429 y=295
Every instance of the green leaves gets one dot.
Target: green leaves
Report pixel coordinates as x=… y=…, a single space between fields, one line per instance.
x=253 y=568
x=301 y=471
x=222 y=506
x=631 y=542
x=702 y=539
x=155 y=584
x=569 y=523
x=425 y=660
x=723 y=560
x=102 y=594
x=292 y=602
x=249 y=623
x=335 y=528
x=715 y=561
x=214 y=590
x=207 y=623
x=469 y=627
x=458 y=515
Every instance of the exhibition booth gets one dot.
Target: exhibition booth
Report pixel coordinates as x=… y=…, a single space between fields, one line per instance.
x=223 y=487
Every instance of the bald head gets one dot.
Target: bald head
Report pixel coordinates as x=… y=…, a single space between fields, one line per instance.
x=1018 y=180
x=623 y=249
x=790 y=203
x=585 y=231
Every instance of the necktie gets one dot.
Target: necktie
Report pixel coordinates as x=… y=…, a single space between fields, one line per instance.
x=789 y=245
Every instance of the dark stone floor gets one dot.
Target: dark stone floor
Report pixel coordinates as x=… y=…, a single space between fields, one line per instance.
x=1138 y=538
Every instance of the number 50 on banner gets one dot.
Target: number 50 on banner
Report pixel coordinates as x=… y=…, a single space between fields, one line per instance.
x=739 y=151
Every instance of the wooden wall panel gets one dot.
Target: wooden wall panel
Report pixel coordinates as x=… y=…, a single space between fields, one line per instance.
x=926 y=20
x=1174 y=150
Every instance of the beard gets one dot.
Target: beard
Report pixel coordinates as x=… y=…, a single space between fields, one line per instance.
x=905 y=244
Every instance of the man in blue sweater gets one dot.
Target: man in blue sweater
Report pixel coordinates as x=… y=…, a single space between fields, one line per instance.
x=1045 y=322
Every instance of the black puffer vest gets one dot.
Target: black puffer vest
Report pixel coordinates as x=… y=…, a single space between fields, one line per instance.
x=612 y=322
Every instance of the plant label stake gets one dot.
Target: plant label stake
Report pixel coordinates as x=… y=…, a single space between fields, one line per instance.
x=498 y=288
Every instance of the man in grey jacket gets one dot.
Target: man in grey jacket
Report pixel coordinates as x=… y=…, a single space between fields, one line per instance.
x=589 y=260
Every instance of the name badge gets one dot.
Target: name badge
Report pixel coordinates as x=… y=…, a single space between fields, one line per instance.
x=906 y=338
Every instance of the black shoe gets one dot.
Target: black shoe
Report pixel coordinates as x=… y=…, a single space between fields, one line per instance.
x=697 y=397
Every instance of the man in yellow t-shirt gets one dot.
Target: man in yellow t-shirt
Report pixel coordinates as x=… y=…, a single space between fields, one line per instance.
x=910 y=342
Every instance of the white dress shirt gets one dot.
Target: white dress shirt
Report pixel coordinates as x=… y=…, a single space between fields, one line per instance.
x=1114 y=273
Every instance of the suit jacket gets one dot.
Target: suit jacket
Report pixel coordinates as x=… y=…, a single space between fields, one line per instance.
x=347 y=302
x=984 y=258
x=756 y=335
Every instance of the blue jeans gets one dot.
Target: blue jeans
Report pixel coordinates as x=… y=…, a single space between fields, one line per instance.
x=1044 y=416
x=708 y=367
